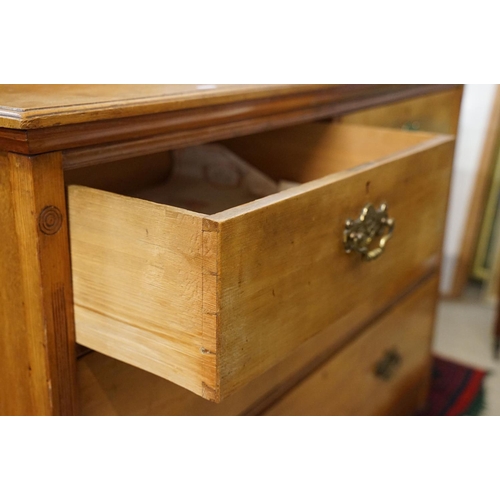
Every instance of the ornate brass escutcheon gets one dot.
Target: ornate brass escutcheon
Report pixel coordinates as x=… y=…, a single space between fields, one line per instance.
x=372 y=223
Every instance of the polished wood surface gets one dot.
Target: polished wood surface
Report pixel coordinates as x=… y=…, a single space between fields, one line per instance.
x=173 y=292
x=34 y=106
x=89 y=128
x=348 y=384
x=159 y=125
x=37 y=358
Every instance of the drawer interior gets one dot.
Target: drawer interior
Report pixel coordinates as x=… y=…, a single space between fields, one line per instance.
x=210 y=300
x=312 y=151
x=288 y=156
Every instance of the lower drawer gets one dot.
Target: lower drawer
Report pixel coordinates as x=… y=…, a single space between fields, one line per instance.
x=383 y=372
x=110 y=387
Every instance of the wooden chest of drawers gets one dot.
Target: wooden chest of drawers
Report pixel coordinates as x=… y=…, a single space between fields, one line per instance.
x=259 y=307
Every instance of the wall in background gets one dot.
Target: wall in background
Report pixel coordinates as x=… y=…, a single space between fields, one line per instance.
x=475 y=114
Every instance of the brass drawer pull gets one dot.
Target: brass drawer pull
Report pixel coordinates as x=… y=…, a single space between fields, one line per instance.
x=385 y=368
x=359 y=233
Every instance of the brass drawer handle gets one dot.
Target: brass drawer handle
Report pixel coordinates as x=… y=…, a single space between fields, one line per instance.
x=359 y=233
x=386 y=367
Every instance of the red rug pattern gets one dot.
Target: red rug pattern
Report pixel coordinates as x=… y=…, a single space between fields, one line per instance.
x=455 y=389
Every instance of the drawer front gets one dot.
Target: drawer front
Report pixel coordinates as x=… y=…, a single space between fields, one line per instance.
x=283 y=273
x=385 y=371
x=211 y=302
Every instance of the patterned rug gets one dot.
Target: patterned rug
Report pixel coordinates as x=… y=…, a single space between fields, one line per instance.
x=455 y=389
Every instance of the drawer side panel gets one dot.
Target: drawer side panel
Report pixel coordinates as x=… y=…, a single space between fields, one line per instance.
x=137 y=271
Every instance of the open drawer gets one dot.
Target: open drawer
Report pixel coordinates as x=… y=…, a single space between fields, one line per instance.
x=211 y=301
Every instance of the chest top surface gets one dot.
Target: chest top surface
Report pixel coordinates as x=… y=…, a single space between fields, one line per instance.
x=36 y=119
x=37 y=106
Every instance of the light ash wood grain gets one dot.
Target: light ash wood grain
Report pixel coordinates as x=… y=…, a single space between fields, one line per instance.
x=347 y=384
